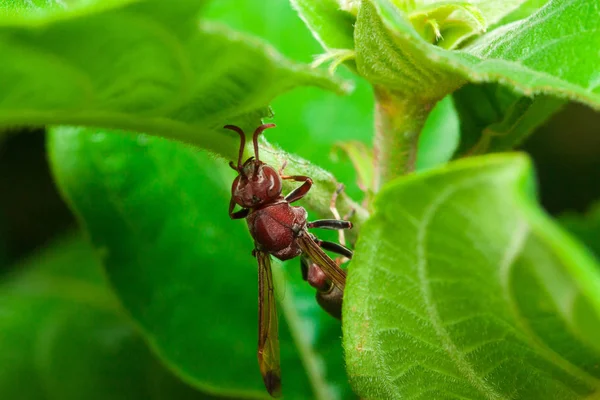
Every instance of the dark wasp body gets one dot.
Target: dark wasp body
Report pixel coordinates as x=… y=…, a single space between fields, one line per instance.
x=281 y=230
x=328 y=296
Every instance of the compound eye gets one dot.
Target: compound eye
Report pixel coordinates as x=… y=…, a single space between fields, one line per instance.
x=235 y=186
x=274 y=182
x=237 y=191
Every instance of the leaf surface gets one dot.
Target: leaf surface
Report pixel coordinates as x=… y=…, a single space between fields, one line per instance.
x=462 y=288
x=527 y=55
x=157 y=212
x=330 y=25
x=64 y=337
x=166 y=74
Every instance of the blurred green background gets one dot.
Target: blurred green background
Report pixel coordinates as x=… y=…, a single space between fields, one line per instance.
x=59 y=319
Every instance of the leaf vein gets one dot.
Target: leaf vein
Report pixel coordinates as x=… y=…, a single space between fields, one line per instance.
x=519 y=238
x=463 y=365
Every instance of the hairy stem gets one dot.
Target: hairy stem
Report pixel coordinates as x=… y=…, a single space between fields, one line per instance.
x=398 y=124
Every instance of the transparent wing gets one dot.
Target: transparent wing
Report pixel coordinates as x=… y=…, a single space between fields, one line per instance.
x=268 y=338
x=319 y=257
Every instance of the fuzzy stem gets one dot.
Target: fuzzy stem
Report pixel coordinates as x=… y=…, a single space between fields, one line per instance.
x=398 y=124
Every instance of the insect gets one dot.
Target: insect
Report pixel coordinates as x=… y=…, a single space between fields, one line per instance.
x=281 y=230
x=328 y=296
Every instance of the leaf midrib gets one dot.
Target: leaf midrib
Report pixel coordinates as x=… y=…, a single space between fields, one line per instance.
x=519 y=238
x=512 y=252
x=449 y=346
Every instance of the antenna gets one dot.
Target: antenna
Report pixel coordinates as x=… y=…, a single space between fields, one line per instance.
x=257 y=133
x=242 y=144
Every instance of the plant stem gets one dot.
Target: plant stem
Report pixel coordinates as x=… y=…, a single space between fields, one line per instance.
x=398 y=124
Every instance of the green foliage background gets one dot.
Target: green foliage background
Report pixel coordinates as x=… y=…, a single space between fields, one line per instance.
x=462 y=286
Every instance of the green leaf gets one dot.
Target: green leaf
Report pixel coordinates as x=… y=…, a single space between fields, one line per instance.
x=447 y=24
x=528 y=55
x=461 y=287
x=63 y=336
x=440 y=135
x=333 y=27
x=166 y=74
x=526 y=8
x=398 y=66
x=16 y=12
x=330 y=24
x=584 y=227
x=157 y=211
x=493 y=118
x=490 y=10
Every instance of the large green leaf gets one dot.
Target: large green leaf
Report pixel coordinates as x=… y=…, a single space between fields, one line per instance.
x=157 y=212
x=461 y=287
x=145 y=66
x=16 y=12
x=528 y=55
x=63 y=337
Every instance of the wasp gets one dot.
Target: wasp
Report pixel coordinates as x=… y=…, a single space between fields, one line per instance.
x=281 y=230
